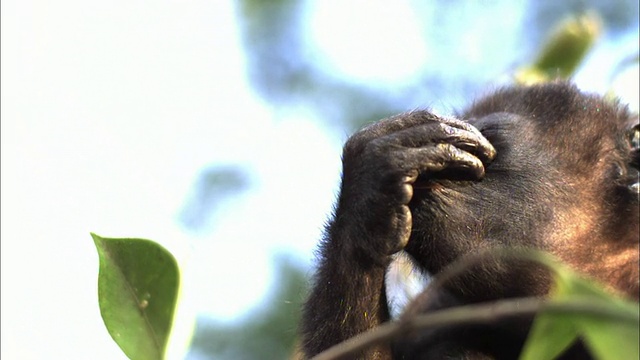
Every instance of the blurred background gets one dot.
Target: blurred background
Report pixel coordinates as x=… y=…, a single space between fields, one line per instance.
x=215 y=128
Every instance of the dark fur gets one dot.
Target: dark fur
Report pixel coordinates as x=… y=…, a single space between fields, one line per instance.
x=555 y=174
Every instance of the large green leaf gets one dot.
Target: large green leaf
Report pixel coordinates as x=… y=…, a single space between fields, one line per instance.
x=550 y=336
x=611 y=333
x=606 y=336
x=138 y=288
x=609 y=339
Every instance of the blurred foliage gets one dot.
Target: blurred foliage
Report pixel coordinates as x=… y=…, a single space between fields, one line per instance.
x=630 y=61
x=564 y=51
x=267 y=332
x=214 y=185
x=283 y=73
x=618 y=15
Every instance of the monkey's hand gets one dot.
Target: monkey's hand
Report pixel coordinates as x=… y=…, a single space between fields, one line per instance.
x=372 y=221
x=381 y=164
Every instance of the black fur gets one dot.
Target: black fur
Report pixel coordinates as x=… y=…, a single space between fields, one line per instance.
x=542 y=166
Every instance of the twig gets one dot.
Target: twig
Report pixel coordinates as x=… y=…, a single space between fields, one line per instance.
x=468 y=314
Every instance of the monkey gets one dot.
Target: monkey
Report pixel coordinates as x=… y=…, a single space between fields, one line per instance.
x=543 y=166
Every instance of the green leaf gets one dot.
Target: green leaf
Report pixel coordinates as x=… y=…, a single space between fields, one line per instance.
x=550 y=336
x=606 y=337
x=612 y=333
x=564 y=50
x=611 y=340
x=138 y=287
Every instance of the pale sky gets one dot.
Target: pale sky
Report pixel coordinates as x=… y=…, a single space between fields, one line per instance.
x=110 y=110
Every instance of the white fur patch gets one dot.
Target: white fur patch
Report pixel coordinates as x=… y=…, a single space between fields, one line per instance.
x=403 y=282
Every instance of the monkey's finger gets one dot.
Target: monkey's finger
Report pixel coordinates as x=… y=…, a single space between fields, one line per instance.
x=443 y=158
x=402 y=122
x=470 y=141
x=435 y=133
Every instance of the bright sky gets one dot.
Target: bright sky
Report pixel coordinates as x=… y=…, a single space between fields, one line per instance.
x=110 y=111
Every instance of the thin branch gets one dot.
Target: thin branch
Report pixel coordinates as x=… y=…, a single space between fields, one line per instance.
x=465 y=262
x=469 y=314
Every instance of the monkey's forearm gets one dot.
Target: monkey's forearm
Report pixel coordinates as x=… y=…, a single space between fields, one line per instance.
x=348 y=296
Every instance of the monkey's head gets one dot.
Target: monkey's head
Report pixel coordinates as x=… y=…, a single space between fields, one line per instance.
x=564 y=180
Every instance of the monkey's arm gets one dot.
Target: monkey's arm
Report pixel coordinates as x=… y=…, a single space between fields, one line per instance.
x=372 y=220
x=348 y=297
